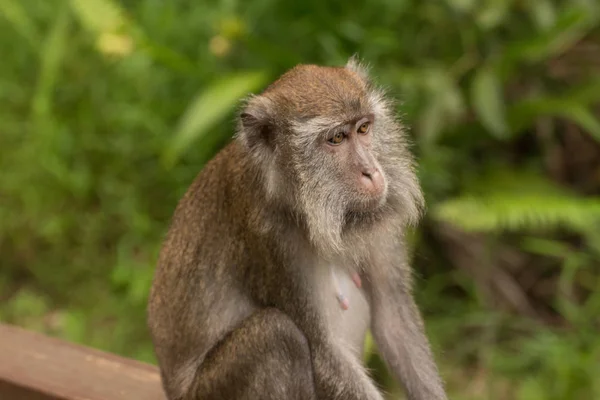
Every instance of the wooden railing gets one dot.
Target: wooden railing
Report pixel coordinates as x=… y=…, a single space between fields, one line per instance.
x=36 y=367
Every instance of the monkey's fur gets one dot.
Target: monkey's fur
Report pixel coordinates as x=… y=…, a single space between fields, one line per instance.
x=243 y=303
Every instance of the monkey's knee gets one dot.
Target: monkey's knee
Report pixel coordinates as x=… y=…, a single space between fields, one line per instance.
x=266 y=357
x=283 y=330
x=285 y=365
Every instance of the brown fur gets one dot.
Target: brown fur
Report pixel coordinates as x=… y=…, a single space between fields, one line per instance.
x=339 y=91
x=233 y=303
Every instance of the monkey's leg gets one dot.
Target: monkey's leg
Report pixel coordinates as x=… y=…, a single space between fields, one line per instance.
x=267 y=357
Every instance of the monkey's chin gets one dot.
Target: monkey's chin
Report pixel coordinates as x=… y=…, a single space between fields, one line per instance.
x=370 y=207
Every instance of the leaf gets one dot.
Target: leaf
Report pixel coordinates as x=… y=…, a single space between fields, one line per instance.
x=52 y=56
x=569 y=28
x=543 y=14
x=13 y=11
x=461 y=5
x=105 y=18
x=546 y=247
x=165 y=55
x=369 y=346
x=585 y=93
x=98 y=15
x=430 y=122
x=500 y=178
x=523 y=113
x=492 y=14
x=443 y=103
x=532 y=388
x=514 y=211
x=209 y=107
x=517 y=200
x=584 y=118
x=488 y=103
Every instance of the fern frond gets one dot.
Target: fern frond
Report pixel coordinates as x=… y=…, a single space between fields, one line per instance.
x=519 y=211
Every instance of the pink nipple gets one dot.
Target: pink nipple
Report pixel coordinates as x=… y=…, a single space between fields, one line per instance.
x=356 y=279
x=344 y=303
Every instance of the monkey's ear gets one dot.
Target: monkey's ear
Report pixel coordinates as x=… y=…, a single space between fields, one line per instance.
x=354 y=64
x=256 y=125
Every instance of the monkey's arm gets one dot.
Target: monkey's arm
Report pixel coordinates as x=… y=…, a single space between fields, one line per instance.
x=398 y=330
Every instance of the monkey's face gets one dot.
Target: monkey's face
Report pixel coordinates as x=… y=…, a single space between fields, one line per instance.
x=331 y=150
x=342 y=164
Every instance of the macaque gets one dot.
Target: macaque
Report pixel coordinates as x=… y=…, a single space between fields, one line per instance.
x=289 y=246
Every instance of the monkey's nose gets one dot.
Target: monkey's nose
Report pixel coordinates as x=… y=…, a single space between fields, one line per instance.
x=372 y=180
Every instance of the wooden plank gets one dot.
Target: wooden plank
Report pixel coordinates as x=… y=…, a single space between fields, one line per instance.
x=37 y=367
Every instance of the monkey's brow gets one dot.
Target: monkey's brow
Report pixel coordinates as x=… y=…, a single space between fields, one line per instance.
x=325 y=125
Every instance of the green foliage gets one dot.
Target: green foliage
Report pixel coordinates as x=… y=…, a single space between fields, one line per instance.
x=487 y=101
x=209 y=108
x=524 y=203
x=109 y=108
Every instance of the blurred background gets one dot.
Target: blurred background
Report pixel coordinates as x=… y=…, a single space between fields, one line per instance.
x=108 y=109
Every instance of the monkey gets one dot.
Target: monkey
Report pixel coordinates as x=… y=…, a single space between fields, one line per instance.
x=290 y=245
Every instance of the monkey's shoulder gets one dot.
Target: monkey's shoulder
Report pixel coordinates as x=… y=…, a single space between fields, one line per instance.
x=213 y=199
x=204 y=229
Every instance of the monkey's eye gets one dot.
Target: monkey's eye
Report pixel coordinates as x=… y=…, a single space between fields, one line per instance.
x=364 y=128
x=337 y=138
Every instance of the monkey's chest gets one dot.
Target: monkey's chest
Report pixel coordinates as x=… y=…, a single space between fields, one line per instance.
x=344 y=307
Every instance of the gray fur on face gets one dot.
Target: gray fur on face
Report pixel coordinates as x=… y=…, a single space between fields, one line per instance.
x=313 y=185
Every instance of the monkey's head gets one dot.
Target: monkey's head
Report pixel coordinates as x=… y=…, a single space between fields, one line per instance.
x=331 y=151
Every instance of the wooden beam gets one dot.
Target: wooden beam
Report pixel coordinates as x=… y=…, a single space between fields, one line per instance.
x=37 y=367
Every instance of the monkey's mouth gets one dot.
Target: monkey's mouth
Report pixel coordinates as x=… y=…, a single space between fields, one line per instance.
x=369 y=205
x=370 y=201
x=357 y=219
